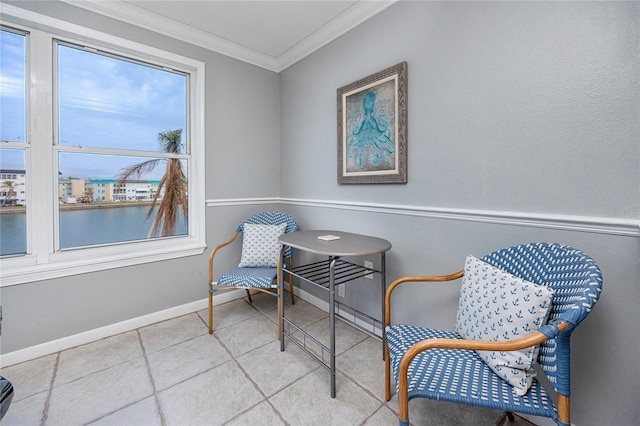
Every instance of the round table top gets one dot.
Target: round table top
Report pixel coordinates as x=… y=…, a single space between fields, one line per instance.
x=347 y=244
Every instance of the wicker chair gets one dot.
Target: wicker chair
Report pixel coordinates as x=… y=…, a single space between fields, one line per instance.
x=441 y=365
x=263 y=279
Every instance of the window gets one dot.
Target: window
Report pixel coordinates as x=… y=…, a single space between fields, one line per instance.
x=117 y=146
x=109 y=107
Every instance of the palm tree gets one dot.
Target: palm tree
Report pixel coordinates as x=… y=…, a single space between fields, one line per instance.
x=173 y=181
x=88 y=192
x=9 y=191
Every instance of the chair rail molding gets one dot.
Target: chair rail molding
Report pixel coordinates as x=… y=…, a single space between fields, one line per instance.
x=592 y=224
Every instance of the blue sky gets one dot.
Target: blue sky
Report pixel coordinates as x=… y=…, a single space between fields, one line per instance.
x=103 y=102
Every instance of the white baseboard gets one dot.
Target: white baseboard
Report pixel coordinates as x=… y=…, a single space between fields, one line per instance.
x=83 y=338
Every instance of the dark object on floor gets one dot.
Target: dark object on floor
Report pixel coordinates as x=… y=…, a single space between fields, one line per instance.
x=6 y=396
x=5 y=386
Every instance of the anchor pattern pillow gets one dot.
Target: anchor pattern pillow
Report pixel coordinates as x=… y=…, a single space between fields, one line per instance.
x=260 y=245
x=495 y=305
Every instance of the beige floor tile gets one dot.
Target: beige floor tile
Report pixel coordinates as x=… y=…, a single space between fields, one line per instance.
x=230 y=313
x=185 y=360
x=143 y=413
x=102 y=354
x=211 y=398
x=272 y=370
x=383 y=417
x=167 y=333
x=26 y=412
x=30 y=377
x=364 y=364
x=94 y=396
x=248 y=335
x=308 y=402
x=262 y=414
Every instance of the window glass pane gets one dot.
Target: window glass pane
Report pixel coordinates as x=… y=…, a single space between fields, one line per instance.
x=12 y=87
x=13 y=230
x=98 y=207
x=112 y=103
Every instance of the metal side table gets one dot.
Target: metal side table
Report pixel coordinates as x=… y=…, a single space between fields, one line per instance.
x=327 y=274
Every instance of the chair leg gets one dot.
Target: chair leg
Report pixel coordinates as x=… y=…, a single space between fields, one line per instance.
x=564 y=409
x=506 y=419
x=403 y=392
x=210 y=309
x=387 y=373
x=249 y=296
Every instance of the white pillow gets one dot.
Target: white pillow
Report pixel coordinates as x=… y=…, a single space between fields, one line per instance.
x=260 y=245
x=495 y=305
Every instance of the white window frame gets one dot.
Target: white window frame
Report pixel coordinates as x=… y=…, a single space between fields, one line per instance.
x=42 y=261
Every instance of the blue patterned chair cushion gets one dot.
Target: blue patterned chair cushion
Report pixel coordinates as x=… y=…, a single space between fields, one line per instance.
x=260 y=245
x=497 y=306
x=249 y=277
x=459 y=375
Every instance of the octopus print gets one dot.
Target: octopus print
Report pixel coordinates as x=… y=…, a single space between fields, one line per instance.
x=370 y=145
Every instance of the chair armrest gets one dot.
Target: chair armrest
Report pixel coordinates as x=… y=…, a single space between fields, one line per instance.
x=482 y=345
x=411 y=279
x=215 y=250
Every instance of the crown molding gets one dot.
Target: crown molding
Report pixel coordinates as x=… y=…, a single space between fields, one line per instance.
x=125 y=12
x=130 y=14
x=342 y=24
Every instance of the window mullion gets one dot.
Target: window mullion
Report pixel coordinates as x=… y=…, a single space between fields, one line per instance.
x=40 y=178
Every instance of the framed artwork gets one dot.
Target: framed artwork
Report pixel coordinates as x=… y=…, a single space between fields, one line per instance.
x=372 y=128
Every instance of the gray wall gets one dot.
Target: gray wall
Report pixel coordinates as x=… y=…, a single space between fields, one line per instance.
x=515 y=108
x=518 y=107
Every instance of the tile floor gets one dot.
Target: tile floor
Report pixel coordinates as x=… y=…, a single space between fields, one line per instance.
x=175 y=373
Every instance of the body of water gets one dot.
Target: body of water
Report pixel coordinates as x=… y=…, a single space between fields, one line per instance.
x=85 y=227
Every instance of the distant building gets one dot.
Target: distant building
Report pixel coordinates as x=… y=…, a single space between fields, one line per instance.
x=102 y=189
x=70 y=190
x=12 y=193
x=137 y=190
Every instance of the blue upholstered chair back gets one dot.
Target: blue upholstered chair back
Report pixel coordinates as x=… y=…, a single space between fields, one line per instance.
x=272 y=218
x=576 y=282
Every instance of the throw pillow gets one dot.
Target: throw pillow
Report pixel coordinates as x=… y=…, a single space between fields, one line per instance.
x=495 y=305
x=260 y=245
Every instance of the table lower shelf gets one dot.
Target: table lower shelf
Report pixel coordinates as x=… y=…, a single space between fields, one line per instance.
x=318 y=273
x=322 y=355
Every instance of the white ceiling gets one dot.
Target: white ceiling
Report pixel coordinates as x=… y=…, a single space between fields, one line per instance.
x=269 y=34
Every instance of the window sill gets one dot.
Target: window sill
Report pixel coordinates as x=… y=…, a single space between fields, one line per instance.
x=26 y=269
